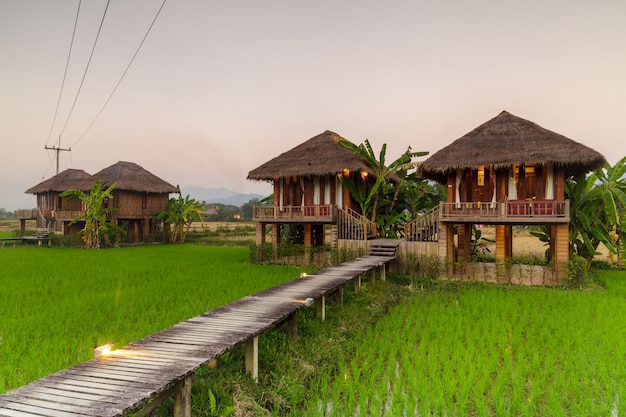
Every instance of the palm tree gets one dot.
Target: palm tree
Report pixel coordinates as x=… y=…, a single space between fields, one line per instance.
x=95 y=214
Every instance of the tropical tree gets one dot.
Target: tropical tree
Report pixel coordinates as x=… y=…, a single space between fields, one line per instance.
x=95 y=214
x=368 y=196
x=181 y=213
x=597 y=204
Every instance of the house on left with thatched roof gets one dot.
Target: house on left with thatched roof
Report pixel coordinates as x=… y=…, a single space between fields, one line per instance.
x=137 y=198
x=50 y=203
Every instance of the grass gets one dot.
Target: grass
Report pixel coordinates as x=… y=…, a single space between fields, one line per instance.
x=453 y=349
x=57 y=304
x=401 y=347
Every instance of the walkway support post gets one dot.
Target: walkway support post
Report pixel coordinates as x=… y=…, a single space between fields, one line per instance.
x=182 y=398
x=252 y=357
x=292 y=326
x=321 y=308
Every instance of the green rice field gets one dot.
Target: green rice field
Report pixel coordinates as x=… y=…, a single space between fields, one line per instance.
x=398 y=348
x=483 y=350
x=57 y=304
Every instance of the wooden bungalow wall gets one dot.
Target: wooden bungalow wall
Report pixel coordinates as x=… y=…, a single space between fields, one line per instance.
x=309 y=191
x=136 y=205
x=498 y=182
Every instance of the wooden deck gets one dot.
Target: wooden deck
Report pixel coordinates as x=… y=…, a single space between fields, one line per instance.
x=162 y=365
x=508 y=212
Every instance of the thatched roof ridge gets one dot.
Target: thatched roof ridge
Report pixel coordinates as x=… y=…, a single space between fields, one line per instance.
x=507 y=139
x=320 y=155
x=66 y=180
x=129 y=177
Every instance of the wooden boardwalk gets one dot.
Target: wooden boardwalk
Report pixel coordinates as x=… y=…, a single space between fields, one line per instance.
x=162 y=365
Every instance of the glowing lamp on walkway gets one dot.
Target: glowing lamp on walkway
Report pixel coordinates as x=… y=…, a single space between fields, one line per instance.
x=103 y=350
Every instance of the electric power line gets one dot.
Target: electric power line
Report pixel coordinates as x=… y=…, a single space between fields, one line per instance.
x=67 y=64
x=86 y=68
x=123 y=75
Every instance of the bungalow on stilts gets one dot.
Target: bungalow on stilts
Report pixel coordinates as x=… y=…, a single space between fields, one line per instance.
x=309 y=194
x=507 y=172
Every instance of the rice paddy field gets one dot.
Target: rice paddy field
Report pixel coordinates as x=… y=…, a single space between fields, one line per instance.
x=431 y=349
x=484 y=350
x=57 y=304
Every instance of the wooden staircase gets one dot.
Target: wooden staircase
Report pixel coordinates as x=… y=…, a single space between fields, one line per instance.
x=353 y=226
x=383 y=247
x=425 y=228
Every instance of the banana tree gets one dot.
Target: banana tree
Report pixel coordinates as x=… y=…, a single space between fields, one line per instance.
x=597 y=204
x=597 y=207
x=368 y=196
x=181 y=213
x=95 y=214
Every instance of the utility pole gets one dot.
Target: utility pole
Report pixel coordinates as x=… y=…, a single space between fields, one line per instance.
x=57 y=150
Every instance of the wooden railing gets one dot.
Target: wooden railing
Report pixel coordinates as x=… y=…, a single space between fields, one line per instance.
x=25 y=214
x=425 y=228
x=321 y=212
x=353 y=226
x=531 y=211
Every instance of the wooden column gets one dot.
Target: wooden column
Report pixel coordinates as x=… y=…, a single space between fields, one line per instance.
x=260 y=233
x=340 y=294
x=252 y=357
x=445 y=247
x=504 y=241
x=182 y=399
x=357 y=284
x=276 y=234
x=308 y=235
x=560 y=241
x=292 y=326
x=464 y=233
x=383 y=275
x=321 y=308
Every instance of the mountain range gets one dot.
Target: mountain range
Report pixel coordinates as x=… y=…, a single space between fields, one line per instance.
x=219 y=195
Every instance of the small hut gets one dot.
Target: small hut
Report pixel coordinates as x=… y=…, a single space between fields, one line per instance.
x=137 y=198
x=508 y=171
x=308 y=190
x=51 y=207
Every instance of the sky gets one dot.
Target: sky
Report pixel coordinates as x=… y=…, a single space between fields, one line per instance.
x=220 y=87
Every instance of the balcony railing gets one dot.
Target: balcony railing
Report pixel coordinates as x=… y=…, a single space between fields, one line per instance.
x=25 y=214
x=512 y=211
x=324 y=212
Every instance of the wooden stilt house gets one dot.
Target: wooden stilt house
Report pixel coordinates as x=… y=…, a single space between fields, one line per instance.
x=137 y=198
x=308 y=192
x=507 y=172
x=53 y=212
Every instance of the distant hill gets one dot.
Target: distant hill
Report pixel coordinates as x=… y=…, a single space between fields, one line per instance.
x=219 y=195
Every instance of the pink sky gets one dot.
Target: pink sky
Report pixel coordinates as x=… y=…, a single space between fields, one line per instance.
x=219 y=88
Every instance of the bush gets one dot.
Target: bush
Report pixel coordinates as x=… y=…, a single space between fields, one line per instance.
x=576 y=271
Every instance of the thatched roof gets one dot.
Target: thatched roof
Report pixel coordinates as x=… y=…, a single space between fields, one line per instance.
x=129 y=177
x=507 y=139
x=318 y=156
x=66 y=180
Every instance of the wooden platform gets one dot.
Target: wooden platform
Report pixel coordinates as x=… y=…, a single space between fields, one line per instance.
x=162 y=365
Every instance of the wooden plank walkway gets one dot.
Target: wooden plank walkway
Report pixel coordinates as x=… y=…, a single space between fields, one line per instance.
x=162 y=365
